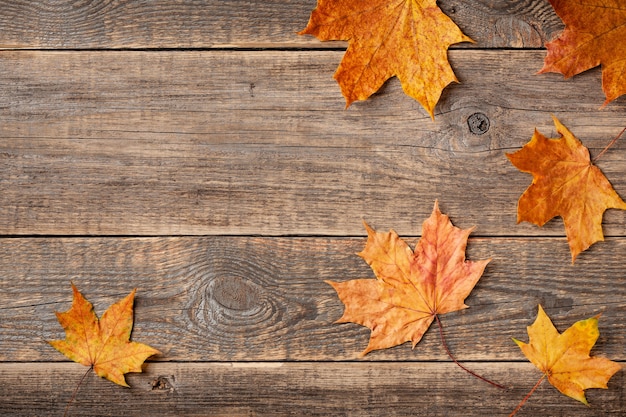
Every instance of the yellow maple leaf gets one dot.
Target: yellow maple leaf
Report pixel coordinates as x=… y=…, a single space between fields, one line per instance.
x=102 y=344
x=567 y=184
x=564 y=357
x=404 y=38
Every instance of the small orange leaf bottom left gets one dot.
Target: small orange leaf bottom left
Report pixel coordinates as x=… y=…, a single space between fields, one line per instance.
x=103 y=344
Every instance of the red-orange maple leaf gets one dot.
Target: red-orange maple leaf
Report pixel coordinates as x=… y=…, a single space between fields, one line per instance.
x=102 y=344
x=411 y=287
x=595 y=34
x=565 y=183
x=404 y=38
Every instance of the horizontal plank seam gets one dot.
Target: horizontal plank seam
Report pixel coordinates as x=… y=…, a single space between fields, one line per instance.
x=245 y=49
x=268 y=236
x=291 y=361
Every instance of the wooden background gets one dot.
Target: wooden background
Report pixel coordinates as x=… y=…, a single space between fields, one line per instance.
x=199 y=151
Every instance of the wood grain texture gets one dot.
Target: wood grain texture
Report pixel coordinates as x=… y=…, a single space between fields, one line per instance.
x=199 y=151
x=236 y=298
x=203 y=143
x=237 y=23
x=287 y=389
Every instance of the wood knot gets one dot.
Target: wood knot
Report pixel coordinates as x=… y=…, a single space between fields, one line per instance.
x=162 y=383
x=235 y=293
x=478 y=123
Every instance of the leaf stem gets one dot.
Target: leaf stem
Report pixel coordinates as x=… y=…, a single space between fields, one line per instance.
x=71 y=400
x=445 y=346
x=519 y=406
x=609 y=145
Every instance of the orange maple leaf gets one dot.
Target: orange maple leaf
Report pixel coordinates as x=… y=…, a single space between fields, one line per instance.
x=565 y=183
x=564 y=357
x=404 y=38
x=411 y=287
x=595 y=34
x=102 y=344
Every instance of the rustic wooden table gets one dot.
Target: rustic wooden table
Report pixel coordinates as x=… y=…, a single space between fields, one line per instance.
x=199 y=151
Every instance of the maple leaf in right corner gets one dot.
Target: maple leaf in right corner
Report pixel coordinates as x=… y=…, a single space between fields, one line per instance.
x=595 y=33
x=564 y=357
x=565 y=183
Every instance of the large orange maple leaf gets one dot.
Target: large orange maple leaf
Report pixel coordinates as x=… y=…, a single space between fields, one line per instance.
x=404 y=38
x=411 y=287
x=102 y=344
x=595 y=34
x=564 y=357
x=567 y=184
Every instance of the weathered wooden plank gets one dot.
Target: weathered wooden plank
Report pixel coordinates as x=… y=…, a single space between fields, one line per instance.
x=286 y=389
x=235 y=298
x=196 y=143
x=237 y=23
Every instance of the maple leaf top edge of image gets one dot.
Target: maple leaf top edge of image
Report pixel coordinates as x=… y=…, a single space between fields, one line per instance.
x=405 y=39
x=409 y=39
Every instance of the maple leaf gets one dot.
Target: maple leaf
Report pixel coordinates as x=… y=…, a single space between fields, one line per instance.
x=411 y=287
x=567 y=184
x=102 y=344
x=595 y=33
x=404 y=38
x=564 y=357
